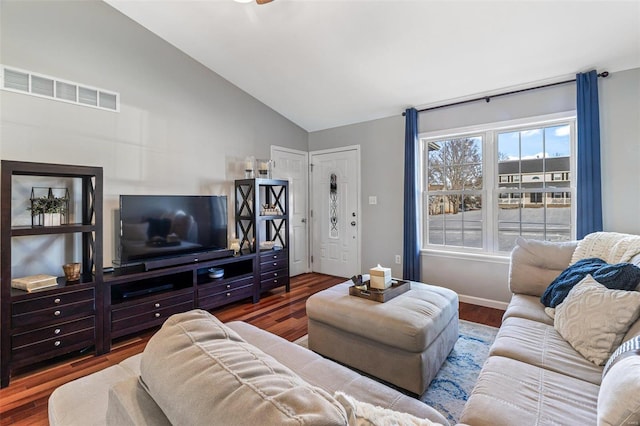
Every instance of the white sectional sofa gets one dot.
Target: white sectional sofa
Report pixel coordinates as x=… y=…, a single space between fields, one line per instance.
x=533 y=375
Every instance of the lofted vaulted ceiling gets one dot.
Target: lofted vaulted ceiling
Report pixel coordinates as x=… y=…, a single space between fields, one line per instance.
x=324 y=63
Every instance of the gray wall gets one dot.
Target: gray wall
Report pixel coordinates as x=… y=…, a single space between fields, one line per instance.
x=182 y=129
x=483 y=279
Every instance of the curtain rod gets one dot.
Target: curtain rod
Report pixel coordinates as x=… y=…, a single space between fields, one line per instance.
x=488 y=98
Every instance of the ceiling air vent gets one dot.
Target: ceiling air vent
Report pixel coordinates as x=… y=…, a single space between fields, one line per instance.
x=42 y=86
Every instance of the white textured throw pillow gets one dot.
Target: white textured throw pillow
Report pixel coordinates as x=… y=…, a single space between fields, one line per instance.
x=365 y=414
x=594 y=319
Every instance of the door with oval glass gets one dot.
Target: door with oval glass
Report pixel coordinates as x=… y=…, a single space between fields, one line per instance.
x=335 y=211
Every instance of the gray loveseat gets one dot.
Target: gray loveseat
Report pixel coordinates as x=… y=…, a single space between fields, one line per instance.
x=197 y=371
x=533 y=375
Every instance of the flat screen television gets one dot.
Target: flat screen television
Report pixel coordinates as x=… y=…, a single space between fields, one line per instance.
x=154 y=227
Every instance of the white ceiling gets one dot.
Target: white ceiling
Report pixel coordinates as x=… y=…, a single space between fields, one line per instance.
x=327 y=63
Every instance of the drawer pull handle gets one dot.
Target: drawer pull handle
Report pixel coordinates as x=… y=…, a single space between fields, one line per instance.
x=56 y=300
x=57 y=313
x=56 y=331
x=157 y=314
x=228 y=294
x=228 y=286
x=157 y=305
x=57 y=343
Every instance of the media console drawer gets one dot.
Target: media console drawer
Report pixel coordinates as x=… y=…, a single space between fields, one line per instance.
x=57 y=345
x=51 y=301
x=53 y=315
x=57 y=330
x=149 y=311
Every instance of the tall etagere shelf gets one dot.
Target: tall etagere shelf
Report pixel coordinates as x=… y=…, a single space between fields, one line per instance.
x=262 y=226
x=68 y=317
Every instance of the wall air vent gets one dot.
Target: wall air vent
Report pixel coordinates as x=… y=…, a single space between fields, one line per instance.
x=42 y=86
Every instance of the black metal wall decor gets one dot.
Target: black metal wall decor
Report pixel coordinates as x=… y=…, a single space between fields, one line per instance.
x=333 y=205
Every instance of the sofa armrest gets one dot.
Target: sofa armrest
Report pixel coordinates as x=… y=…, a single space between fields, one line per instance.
x=535 y=264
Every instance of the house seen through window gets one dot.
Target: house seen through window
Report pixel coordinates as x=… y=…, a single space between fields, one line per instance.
x=482 y=190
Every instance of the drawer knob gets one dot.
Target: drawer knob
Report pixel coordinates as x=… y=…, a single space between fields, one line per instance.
x=228 y=286
x=275 y=281
x=275 y=264
x=56 y=300
x=57 y=313
x=228 y=294
x=275 y=256
x=57 y=343
x=275 y=274
x=157 y=314
x=56 y=331
x=157 y=305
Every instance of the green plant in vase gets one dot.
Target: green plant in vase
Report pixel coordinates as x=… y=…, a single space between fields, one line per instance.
x=47 y=211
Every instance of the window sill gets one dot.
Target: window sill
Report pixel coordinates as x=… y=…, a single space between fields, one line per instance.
x=478 y=257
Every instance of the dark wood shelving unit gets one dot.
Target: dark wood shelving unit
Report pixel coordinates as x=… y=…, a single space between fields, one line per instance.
x=41 y=325
x=254 y=226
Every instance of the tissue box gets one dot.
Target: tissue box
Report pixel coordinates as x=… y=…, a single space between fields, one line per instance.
x=380 y=277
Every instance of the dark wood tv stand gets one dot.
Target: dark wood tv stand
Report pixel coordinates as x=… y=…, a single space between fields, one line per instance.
x=145 y=299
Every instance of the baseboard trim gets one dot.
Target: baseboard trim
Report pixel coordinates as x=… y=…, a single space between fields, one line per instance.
x=483 y=302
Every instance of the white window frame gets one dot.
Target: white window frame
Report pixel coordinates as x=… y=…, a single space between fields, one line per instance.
x=490 y=191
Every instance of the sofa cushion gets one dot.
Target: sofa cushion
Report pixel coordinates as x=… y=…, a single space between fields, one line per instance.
x=535 y=264
x=131 y=405
x=618 y=402
x=331 y=376
x=510 y=392
x=365 y=414
x=594 y=319
x=198 y=371
x=528 y=307
x=542 y=346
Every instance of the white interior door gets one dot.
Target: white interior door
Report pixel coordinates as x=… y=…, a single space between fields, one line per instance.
x=336 y=211
x=293 y=166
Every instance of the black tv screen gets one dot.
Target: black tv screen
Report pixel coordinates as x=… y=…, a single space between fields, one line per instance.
x=162 y=226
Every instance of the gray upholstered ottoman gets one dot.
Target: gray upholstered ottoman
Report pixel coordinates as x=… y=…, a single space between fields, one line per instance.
x=403 y=341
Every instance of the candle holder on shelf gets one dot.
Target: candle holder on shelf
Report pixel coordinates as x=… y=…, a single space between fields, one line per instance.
x=264 y=168
x=249 y=167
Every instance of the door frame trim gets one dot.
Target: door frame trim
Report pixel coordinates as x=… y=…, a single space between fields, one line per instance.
x=359 y=200
x=273 y=148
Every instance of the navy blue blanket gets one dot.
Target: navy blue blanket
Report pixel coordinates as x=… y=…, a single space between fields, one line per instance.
x=619 y=276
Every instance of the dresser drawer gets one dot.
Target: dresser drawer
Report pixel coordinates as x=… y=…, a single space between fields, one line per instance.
x=58 y=330
x=269 y=283
x=58 y=345
x=274 y=264
x=211 y=289
x=51 y=301
x=147 y=319
x=223 y=298
x=273 y=255
x=149 y=305
x=53 y=315
x=274 y=274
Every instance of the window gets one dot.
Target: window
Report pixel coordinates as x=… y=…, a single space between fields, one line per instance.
x=483 y=189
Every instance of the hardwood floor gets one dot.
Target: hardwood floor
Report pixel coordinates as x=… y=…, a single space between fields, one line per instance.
x=24 y=401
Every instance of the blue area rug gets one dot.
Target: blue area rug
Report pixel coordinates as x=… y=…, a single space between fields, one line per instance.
x=450 y=389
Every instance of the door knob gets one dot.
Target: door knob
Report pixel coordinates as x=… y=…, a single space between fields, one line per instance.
x=353 y=223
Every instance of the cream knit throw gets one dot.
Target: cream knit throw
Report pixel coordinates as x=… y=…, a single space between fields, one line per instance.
x=612 y=247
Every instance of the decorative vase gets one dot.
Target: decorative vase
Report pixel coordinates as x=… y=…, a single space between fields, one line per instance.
x=52 y=219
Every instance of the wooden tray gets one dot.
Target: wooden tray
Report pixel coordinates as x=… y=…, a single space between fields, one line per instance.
x=377 y=295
